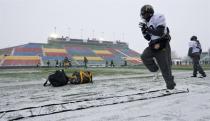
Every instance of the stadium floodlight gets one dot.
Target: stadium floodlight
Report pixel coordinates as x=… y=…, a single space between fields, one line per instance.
x=53 y=35
x=101 y=39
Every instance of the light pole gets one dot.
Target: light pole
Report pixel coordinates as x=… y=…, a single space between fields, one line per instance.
x=81 y=33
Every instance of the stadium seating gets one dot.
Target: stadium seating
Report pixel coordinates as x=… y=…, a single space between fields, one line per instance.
x=55 y=52
x=79 y=50
x=32 y=45
x=121 y=55
x=53 y=46
x=53 y=55
x=31 y=49
x=1 y=58
x=117 y=57
x=21 y=61
x=33 y=53
x=106 y=54
x=129 y=52
x=6 y=51
x=92 y=60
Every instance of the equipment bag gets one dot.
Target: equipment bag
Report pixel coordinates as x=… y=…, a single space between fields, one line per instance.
x=81 y=77
x=57 y=79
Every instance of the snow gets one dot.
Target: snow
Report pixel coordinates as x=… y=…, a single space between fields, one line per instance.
x=192 y=106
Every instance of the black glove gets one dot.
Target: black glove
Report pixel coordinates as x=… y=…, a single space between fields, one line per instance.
x=143 y=27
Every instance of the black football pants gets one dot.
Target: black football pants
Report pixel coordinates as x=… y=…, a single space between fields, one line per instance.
x=163 y=58
x=196 y=65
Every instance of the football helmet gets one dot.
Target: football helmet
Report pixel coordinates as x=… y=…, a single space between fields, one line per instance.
x=147 y=12
x=193 y=38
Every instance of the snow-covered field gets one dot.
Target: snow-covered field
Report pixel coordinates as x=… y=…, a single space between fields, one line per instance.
x=109 y=98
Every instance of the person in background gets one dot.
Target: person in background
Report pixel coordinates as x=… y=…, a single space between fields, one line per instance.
x=125 y=62
x=194 y=53
x=48 y=63
x=107 y=63
x=85 y=61
x=112 y=63
x=56 y=63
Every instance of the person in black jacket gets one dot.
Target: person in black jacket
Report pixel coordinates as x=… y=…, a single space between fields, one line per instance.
x=154 y=30
x=194 y=53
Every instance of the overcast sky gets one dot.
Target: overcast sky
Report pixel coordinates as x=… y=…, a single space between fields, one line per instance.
x=24 y=21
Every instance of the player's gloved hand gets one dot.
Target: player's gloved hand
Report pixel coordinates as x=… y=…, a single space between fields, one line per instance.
x=143 y=27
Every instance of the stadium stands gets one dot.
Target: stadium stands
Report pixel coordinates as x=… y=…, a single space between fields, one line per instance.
x=129 y=52
x=92 y=60
x=97 y=53
x=31 y=49
x=130 y=56
x=21 y=61
x=55 y=52
x=79 y=50
x=32 y=45
x=1 y=58
x=27 y=51
x=53 y=55
x=105 y=54
x=6 y=51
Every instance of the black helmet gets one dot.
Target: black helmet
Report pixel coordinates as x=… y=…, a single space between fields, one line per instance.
x=193 y=38
x=147 y=12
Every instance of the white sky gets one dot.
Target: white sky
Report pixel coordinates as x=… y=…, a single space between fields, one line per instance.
x=24 y=21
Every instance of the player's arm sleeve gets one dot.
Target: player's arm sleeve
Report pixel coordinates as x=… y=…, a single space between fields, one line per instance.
x=190 y=51
x=191 y=44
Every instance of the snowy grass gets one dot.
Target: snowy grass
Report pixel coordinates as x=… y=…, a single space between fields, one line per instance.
x=22 y=88
x=189 y=67
x=43 y=73
x=39 y=73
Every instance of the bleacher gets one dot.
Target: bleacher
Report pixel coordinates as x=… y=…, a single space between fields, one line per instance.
x=21 y=61
x=79 y=52
x=1 y=57
x=130 y=56
x=53 y=55
x=6 y=51
x=105 y=54
x=117 y=57
x=32 y=54
x=23 y=51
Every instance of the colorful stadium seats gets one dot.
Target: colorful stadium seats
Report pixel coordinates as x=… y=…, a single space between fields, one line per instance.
x=32 y=45
x=1 y=58
x=128 y=55
x=30 y=49
x=90 y=58
x=79 y=50
x=6 y=51
x=21 y=61
x=55 y=52
x=32 y=54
